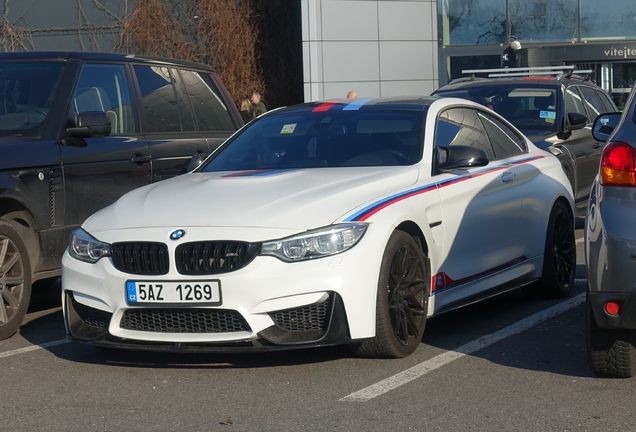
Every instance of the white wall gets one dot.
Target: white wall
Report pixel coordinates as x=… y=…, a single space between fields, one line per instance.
x=375 y=47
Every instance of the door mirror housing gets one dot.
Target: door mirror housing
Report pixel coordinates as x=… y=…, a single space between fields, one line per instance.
x=458 y=157
x=91 y=124
x=576 y=120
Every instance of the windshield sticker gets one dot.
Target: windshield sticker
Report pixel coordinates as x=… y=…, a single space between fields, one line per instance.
x=288 y=128
x=547 y=114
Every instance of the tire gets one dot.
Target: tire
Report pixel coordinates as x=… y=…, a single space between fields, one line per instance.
x=611 y=352
x=402 y=300
x=559 y=257
x=15 y=280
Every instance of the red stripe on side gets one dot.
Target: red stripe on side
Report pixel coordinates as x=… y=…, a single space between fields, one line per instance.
x=324 y=107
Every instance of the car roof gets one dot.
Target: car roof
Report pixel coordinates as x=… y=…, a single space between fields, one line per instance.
x=529 y=81
x=89 y=55
x=418 y=103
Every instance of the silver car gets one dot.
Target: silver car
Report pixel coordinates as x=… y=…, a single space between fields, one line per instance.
x=610 y=248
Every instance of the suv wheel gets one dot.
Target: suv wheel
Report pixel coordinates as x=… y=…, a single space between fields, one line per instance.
x=15 y=280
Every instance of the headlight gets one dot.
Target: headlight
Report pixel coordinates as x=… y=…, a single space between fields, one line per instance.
x=86 y=248
x=315 y=244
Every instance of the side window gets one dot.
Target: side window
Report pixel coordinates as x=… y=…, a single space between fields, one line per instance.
x=594 y=104
x=163 y=109
x=104 y=87
x=461 y=126
x=504 y=140
x=608 y=105
x=573 y=101
x=211 y=114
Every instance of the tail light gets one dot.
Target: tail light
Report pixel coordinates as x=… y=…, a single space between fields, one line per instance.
x=618 y=165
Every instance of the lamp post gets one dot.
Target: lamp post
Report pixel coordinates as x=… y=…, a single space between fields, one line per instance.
x=509 y=56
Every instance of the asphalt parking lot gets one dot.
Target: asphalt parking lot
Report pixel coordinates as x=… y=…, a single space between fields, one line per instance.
x=507 y=363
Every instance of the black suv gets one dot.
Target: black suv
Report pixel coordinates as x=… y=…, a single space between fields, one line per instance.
x=77 y=131
x=555 y=112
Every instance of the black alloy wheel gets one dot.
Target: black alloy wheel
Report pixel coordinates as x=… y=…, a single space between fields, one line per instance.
x=559 y=260
x=402 y=302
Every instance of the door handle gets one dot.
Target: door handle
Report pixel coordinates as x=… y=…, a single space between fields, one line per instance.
x=508 y=176
x=596 y=145
x=140 y=159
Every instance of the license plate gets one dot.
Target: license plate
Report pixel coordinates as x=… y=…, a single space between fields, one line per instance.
x=202 y=292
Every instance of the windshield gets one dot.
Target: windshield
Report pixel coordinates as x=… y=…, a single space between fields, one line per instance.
x=324 y=139
x=532 y=110
x=26 y=91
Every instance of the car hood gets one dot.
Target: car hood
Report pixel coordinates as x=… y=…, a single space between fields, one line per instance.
x=292 y=199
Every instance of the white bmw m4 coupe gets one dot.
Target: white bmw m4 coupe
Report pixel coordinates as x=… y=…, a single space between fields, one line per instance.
x=339 y=222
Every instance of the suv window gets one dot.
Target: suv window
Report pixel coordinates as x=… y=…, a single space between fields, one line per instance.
x=26 y=91
x=210 y=112
x=461 y=126
x=531 y=109
x=163 y=111
x=573 y=101
x=104 y=87
x=595 y=104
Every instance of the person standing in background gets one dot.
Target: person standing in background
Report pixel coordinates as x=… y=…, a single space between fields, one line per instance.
x=247 y=111
x=352 y=95
x=257 y=104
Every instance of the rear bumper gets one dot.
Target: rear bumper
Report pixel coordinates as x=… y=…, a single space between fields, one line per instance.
x=624 y=319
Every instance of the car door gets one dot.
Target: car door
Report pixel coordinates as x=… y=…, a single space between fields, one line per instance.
x=480 y=210
x=583 y=148
x=97 y=171
x=168 y=121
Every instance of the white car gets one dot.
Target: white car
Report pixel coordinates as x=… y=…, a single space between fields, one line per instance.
x=340 y=222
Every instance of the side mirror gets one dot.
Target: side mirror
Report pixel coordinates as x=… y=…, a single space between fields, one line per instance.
x=604 y=125
x=458 y=157
x=577 y=120
x=91 y=124
x=194 y=162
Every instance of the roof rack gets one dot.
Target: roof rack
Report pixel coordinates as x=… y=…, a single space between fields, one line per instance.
x=559 y=71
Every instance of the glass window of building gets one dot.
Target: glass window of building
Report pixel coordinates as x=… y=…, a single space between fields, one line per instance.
x=472 y=22
x=543 y=20
x=600 y=20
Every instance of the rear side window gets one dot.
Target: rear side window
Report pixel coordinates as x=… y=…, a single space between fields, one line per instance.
x=504 y=140
x=461 y=126
x=595 y=104
x=210 y=112
x=104 y=87
x=164 y=107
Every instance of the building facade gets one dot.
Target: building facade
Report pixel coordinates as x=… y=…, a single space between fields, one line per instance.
x=388 y=47
x=374 y=47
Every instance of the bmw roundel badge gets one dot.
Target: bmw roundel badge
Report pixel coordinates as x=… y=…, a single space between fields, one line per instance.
x=177 y=234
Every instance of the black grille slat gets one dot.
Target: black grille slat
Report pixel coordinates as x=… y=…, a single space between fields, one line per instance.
x=172 y=320
x=142 y=258
x=205 y=258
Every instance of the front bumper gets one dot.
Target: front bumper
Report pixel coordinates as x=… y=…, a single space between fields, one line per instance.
x=309 y=326
x=267 y=304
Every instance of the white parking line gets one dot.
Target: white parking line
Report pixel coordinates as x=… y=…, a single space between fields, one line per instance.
x=421 y=369
x=33 y=348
